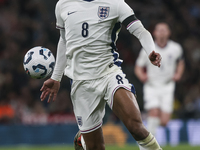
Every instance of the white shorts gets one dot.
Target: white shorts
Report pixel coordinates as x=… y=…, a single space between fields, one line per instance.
x=90 y=96
x=159 y=97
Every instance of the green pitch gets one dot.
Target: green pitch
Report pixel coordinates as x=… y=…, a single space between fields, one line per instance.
x=127 y=147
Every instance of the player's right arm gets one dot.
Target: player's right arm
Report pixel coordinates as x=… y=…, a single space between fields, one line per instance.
x=52 y=85
x=60 y=58
x=61 y=48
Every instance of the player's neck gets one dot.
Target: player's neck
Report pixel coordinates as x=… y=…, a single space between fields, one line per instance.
x=161 y=42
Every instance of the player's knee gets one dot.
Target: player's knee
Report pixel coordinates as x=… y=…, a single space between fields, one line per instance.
x=95 y=146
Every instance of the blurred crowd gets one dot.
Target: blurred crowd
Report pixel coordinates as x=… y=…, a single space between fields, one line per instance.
x=28 y=23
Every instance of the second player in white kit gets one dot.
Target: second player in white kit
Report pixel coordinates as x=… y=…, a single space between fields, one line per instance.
x=87 y=54
x=159 y=84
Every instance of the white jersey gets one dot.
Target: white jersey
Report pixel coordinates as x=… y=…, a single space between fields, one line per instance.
x=91 y=28
x=171 y=53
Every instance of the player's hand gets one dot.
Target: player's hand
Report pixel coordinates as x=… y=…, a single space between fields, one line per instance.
x=50 y=87
x=155 y=58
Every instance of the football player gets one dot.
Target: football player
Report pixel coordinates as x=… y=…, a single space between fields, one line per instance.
x=87 y=54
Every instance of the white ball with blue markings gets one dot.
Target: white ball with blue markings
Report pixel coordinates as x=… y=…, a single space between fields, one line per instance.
x=39 y=62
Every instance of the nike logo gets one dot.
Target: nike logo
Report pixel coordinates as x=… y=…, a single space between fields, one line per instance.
x=69 y=13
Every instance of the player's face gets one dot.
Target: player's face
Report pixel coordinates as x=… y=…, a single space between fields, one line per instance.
x=161 y=31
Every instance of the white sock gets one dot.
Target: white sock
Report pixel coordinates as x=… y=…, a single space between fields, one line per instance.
x=149 y=143
x=152 y=124
x=83 y=143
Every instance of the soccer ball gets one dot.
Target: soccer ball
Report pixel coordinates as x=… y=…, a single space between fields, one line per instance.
x=39 y=62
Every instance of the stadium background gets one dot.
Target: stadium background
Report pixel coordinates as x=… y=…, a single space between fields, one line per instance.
x=25 y=120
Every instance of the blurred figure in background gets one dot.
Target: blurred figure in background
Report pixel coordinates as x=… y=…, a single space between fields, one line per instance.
x=159 y=83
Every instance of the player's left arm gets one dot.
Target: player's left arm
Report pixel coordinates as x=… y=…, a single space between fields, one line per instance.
x=135 y=27
x=179 y=70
